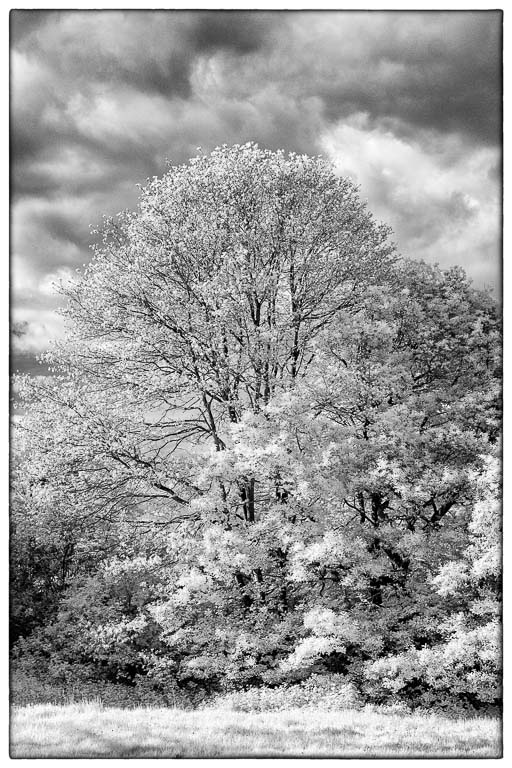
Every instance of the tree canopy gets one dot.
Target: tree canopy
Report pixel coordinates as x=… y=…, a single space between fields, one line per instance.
x=268 y=449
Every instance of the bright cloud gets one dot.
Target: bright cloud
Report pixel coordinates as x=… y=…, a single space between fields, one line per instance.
x=442 y=202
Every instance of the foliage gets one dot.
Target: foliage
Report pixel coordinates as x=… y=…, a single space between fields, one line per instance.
x=465 y=667
x=271 y=442
x=27 y=689
x=319 y=692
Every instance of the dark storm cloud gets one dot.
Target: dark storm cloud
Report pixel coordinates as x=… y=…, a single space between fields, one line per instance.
x=445 y=77
x=233 y=31
x=424 y=70
x=154 y=51
x=84 y=48
x=411 y=71
x=22 y=23
x=77 y=54
x=62 y=226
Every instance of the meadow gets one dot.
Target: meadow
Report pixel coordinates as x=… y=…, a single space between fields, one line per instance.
x=90 y=730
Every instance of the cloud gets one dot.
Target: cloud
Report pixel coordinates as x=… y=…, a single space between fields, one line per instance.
x=151 y=51
x=441 y=201
x=435 y=70
x=409 y=103
x=23 y=23
x=41 y=325
x=233 y=31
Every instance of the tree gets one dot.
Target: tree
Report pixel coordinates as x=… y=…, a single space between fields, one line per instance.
x=465 y=662
x=290 y=418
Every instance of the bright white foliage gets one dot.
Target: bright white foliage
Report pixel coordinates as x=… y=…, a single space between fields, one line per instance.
x=294 y=424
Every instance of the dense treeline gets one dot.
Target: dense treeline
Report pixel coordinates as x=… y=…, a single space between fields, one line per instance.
x=268 y=451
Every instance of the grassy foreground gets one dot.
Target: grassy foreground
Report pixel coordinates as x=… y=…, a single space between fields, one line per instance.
x=91 y=730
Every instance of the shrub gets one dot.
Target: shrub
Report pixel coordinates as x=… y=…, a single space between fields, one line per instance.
x=28 y=689
x=324 y=692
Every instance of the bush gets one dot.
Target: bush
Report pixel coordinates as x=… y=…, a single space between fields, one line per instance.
x=324 y=692
x=28 y=689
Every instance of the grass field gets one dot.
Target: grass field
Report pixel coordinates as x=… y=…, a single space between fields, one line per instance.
x=90 y=730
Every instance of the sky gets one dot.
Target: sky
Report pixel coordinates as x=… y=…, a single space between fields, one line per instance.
x=408 y=104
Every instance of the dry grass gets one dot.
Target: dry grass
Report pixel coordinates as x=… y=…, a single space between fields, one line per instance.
x=90 y=730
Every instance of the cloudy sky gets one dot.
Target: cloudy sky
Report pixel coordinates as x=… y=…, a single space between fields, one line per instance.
x=406 y=103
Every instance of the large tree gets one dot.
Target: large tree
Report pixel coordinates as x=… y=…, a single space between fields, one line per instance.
x=289 y=420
